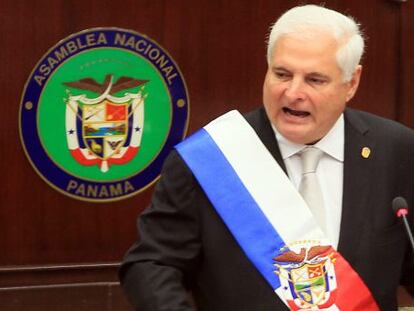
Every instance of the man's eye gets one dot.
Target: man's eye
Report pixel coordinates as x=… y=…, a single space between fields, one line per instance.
x=317 y=81
x=282 y=75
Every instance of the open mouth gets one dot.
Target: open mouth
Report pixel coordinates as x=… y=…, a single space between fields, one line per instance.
x=296 y=113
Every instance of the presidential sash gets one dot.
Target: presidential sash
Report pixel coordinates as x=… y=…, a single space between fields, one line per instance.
x=270 y=220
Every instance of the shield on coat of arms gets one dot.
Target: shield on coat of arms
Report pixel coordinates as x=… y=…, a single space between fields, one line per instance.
x=309 y=283
x=105 y=128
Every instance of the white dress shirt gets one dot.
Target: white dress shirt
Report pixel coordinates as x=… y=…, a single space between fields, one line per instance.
x=329 y=172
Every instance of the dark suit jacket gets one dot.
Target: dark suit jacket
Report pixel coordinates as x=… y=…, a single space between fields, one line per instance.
x=184 y=245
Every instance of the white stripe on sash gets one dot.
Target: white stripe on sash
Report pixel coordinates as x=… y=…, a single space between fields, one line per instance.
x=265 y=180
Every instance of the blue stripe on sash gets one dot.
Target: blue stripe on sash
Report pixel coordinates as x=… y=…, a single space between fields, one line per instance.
x=233 y=202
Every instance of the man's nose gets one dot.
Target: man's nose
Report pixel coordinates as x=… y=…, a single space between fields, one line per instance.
x=295 y=89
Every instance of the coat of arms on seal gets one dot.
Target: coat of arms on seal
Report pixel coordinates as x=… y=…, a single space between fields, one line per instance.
x=105 y=130
x=101 y=111
x=307 y=276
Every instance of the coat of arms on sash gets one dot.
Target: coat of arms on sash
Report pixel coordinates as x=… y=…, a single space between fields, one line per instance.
x=307 y=277
x=101 y=111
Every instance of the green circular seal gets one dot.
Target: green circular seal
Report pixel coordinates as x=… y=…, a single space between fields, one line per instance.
x=101 y=111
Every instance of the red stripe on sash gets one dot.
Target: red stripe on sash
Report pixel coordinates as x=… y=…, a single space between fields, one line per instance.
x=352 y=293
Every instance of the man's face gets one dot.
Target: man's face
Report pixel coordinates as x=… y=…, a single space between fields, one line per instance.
x=303 y=92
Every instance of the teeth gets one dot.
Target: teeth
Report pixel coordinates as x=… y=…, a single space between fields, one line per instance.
x=296 y=113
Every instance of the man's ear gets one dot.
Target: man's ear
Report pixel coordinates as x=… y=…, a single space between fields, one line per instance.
x=354 y=82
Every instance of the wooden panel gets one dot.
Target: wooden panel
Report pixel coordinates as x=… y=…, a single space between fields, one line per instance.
x=62 y=287
x=68 y=297
x=45 y=275
x=406 y=88
x=379 y=21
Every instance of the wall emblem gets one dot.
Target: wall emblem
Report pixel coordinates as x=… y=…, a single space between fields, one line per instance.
x=101 y=111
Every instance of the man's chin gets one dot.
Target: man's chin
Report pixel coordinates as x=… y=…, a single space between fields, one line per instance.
x=299 y=137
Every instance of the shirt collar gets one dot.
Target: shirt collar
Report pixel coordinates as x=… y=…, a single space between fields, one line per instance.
x=332 y=143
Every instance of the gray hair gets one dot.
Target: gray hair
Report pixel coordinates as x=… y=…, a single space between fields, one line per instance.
x=301 y=20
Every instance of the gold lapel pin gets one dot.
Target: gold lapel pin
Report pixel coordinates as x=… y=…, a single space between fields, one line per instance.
x=365 y=152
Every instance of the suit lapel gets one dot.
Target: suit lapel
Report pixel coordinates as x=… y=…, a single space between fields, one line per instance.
x=356 y=184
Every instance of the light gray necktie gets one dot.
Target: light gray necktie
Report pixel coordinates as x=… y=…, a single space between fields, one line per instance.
x=309 y=187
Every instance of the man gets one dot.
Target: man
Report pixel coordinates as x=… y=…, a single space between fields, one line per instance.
x=231 y=221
